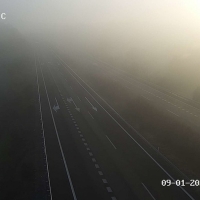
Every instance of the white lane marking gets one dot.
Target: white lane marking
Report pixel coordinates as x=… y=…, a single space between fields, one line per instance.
x=79 y=131
x=90 y=115
x=56 y=102
x=104 y=181
x=85 y=144
x=109 y=189
x=83 y=139
x=43 y=134
x=145 y=97
x=163 y=93
x=88 y=149
x=93 y=107
x=173 y=113
x=93 y=159
x=149 y=87
x=79 y=98
x=100 y=173
x=71 y=87
x=118 y=122
x=148 y=191
x=77 y=128
x=111 y=142
x=113 y=198
x=196 y=115
x=90 y=154
x=58 y=138
x=81 y=135
x=97 y=166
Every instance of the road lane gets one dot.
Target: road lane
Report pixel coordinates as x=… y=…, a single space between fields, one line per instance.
x=120 y=187
x=43 y=133
x=78 y=81
x=159 y=98
x=60 y=187
x=83 y=181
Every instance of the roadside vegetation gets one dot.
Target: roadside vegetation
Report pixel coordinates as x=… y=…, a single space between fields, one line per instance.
x=18 y=137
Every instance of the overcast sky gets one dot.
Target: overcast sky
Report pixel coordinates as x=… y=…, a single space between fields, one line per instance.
x=156 y=29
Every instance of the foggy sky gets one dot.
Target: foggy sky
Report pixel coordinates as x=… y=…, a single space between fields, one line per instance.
x=154 y=31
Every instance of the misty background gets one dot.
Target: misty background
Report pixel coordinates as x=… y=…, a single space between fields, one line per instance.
x=157 y=40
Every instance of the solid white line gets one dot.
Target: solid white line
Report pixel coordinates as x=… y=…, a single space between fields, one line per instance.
x=148 y=191
x=63 y=157
x=111 y=142
x=118 y=123
x=45 y=150
x=172 y=113
x=91 y=115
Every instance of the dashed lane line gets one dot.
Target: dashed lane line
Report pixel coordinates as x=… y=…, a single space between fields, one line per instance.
x=173 y=113
x=117 y=121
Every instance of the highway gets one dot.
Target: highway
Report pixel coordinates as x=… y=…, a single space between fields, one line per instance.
x=167 y=101
x=91 y=152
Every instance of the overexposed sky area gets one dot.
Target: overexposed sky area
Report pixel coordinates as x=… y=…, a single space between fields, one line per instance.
x=154 y=30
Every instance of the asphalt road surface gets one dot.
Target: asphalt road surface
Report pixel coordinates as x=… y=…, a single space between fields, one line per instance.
x=171 y=103
x=90 y=150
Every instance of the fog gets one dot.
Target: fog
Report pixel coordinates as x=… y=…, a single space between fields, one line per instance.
x=159 y=37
